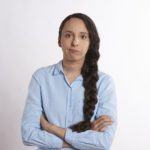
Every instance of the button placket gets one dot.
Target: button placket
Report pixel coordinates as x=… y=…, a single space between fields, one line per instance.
x=68 y=106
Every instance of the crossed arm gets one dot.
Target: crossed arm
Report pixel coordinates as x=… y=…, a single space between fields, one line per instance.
x=53 y=136
x=99 y=125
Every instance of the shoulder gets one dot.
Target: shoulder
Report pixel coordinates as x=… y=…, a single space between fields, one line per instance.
x=105 y=81
x=44 y=71
x=104 y=77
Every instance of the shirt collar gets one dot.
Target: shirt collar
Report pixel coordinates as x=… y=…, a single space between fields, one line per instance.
x=59 y=69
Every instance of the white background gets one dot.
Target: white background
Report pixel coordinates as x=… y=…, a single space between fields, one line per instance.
x=28 y=40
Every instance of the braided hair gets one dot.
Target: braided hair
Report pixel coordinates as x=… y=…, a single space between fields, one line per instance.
x=89 y=71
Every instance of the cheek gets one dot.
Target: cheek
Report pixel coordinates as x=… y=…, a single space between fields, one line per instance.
x=86 y=47
x=65 y=43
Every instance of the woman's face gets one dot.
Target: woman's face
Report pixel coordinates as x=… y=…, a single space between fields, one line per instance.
x=74 y=40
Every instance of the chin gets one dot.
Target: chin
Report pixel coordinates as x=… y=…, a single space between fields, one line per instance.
x=76 y=59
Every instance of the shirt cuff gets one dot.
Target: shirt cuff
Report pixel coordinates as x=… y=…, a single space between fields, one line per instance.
x=69 y=137
x=53 y=141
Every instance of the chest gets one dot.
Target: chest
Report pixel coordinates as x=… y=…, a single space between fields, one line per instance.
x=63 y=104
x=71 y=77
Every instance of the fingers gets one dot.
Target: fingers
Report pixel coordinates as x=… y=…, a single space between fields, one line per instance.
x=101 y=123
x=101 y=118
x=103 y=126
x=42 y=118
x=44 y=123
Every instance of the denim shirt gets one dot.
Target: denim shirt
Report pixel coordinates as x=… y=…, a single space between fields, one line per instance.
x=62 y=103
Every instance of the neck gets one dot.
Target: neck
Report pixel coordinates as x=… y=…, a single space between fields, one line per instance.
x=72 y=66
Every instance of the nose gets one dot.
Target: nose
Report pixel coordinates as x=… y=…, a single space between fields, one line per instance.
x=75 y=41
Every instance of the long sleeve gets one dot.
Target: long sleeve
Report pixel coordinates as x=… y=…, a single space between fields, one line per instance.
x=107 y=106
x=31 y=131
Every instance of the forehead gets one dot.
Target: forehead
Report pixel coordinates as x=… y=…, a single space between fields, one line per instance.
x=75 y=25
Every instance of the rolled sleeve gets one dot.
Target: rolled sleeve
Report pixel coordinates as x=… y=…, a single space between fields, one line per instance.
x=31 y=131
x=85 y=140
x=91 y=139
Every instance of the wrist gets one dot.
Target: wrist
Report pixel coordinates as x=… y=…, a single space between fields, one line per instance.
x=51 y=128
x=66 y=145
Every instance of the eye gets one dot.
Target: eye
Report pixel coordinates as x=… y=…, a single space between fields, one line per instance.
x=84 y=37
x=67 y=35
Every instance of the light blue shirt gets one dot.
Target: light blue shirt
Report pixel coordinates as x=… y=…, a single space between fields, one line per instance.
x=62 y=103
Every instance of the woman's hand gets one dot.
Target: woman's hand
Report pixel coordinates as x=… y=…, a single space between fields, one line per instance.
x=45 y=124
x=101 y=123
x=51 y=128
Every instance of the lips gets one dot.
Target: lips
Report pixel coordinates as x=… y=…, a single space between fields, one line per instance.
x=73 y=50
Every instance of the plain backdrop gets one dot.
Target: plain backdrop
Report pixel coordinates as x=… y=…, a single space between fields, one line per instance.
x=28 y=41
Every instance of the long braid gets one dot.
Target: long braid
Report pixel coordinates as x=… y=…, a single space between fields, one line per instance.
x=89 y=72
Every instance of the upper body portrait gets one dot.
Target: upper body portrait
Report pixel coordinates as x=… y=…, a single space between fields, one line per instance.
x=72 y=104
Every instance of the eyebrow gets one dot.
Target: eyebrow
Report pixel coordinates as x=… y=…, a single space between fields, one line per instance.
x=72 y=32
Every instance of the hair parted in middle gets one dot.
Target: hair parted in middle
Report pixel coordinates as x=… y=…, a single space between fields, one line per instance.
x=89 y=71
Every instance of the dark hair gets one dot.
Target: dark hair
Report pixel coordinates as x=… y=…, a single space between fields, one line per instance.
x=89 y=71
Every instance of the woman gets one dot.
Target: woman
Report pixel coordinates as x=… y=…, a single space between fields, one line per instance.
x=72 y=105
